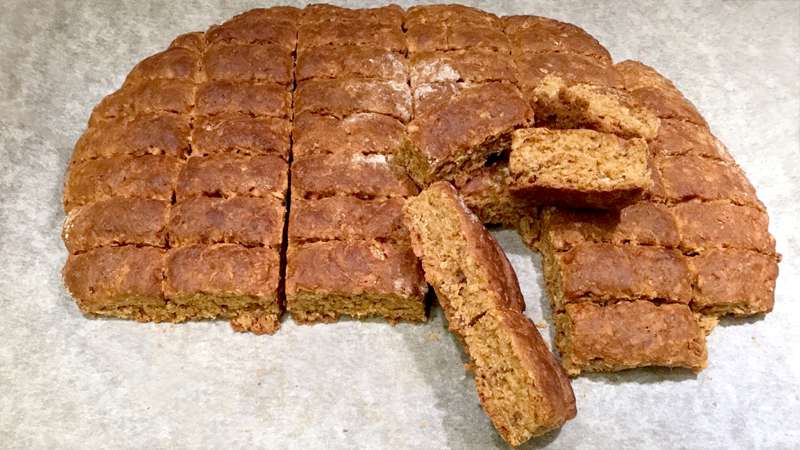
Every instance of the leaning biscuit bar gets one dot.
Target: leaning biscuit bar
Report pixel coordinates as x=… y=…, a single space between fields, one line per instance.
x=625 y=335
x=520 y=384
x=577 y=168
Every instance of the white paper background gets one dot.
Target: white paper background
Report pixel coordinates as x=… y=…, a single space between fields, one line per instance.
x=69 y=382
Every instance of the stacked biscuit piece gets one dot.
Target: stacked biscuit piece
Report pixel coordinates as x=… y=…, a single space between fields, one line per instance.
x=266 y=164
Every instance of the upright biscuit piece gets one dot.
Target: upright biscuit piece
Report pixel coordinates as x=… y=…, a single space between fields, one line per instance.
x=625 y=335
x=577 y=168
x=520 y=385
x=451 y=138
x=605 y=109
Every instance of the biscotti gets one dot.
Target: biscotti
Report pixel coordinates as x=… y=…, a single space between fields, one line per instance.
x=520 y=385
x=577 y=168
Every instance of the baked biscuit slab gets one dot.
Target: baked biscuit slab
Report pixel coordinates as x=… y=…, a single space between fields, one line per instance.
x=626 y=335
x=149 y=176
x=359 y=278
x=521 y=386
x=225 y=281
x=605 y=273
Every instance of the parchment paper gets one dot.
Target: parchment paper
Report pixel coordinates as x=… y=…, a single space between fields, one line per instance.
x=69 y=382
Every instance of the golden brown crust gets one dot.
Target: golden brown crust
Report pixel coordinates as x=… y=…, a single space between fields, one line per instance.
x=738 y=282
x=536 y=34
x=254 y=98
x=364 y=133
x=497 y=279
x=625 y=335
x=246 y=62
x=361 y=175
x=473 y=65
x=433 y=14
x=110 y=276
x=149 y=134
x=350 y=33
x=352 y=268
x=194 y=41
x=350 y=62
x=487 y=195
x=116 y=221
x=599 y=272
x=240 y=220
x=532 y=68
x=233 y=175
x=652 y=90
x=174 y=96
x=704 y=226
x=277 y=25
x=642 y=223
x=390 y=15
x=149 y=176
x=346 y=218
x=686 y=178
x=577 y=168
x=678 y=138
x=242 y=134
x=341 y=98
x=431 y=37
x=450 y=137
x=453 y=27
x=222 y=270
x=175 y=62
